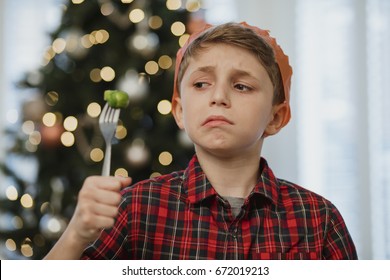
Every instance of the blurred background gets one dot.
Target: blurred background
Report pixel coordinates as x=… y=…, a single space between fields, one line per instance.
x=57 y=57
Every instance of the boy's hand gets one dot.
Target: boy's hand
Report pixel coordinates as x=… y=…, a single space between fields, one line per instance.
x=97 y=206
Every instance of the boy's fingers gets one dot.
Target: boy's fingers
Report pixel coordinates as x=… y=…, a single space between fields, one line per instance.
x=125 y=181
x=106 y=211
x=107 y=197
x=108 y=183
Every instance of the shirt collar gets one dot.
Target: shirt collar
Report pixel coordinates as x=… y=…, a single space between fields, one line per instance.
x=267 y=185
x=199 y=188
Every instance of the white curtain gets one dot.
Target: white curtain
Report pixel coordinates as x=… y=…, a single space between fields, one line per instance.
x=24 y=30
x=338 y=144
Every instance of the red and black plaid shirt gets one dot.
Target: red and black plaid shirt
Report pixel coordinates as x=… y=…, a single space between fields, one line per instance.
x=180 y=216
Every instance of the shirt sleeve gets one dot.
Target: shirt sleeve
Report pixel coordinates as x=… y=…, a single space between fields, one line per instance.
x=338 y=243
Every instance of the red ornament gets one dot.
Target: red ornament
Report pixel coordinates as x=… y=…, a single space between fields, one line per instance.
x=51 y=135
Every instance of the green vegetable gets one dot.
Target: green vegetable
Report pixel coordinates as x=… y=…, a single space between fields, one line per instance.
x=116 y=98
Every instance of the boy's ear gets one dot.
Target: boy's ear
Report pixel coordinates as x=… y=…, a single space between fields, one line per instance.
x=280 y=113
x=177 y=112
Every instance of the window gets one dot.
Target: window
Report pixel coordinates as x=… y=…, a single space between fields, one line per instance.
x=378 y=61
x=342 y=75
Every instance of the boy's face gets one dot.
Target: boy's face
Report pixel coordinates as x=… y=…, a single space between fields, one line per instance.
x=226 y=101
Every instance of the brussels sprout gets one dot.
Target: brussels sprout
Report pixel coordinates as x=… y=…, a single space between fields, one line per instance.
x=116 y=98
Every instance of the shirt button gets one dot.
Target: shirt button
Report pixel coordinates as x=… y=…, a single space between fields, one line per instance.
x=233 y=233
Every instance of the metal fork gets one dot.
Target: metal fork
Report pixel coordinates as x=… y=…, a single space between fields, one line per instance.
x=108 y=121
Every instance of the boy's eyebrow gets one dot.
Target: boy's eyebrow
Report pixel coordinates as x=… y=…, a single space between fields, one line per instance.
x=238 y=72
x=206 y=69
x=243 y=73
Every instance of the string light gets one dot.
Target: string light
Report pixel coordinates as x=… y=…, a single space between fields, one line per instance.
x=164 y=107
x=26 y=201
x=94 y=75
x=121 y=132
x=26 y=248
x=28 y=127
x=51 y=98
x=173 y=4
x=92 y=39
x=48 y=55
x=70 y=123
x=99 y=36
x=165 y=62
x=155 y=22
x=49 y=119
x=10 y=244
x=95 y=37
x=136 y=15
x=165 y=158
x=183 y=39
x=154 y=174
x=11 y=193
x=96 y=155
x=121 y=172
x=44 y=207
x=86 y=41
x=107 y=73
x=193 y=6
x=30 y=147
x=35 y=138
x=107 y=9
x=94 y=109
x=59 y=45
x=151 y=67
x=178 y=28
x=67 y=139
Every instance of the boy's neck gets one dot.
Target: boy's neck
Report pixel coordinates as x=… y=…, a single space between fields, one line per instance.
x=230 y=176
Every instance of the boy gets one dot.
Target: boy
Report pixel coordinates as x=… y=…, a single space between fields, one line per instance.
x=232 y=86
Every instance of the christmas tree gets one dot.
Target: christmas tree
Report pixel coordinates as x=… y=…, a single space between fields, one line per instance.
x=99 y=45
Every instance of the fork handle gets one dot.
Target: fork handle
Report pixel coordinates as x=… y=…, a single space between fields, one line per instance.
x=107 y=161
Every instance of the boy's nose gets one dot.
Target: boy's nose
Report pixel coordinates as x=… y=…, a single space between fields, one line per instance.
x=220 y=97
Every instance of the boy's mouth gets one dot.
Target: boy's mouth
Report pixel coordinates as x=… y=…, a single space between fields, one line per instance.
x=216 y=120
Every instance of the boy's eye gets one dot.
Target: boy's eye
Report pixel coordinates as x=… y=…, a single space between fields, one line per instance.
x=242 y=87
x=200 y=84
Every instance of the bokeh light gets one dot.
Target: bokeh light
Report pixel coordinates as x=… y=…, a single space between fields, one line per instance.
x=94 y=109
x=11 y=193
x=67 y=139
x=164 y=107
x=165 y=158
x=178 y=28
x=136 y=15
x=96 y=155
x=173 y=4
x=27 y=201
x=70 y=123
